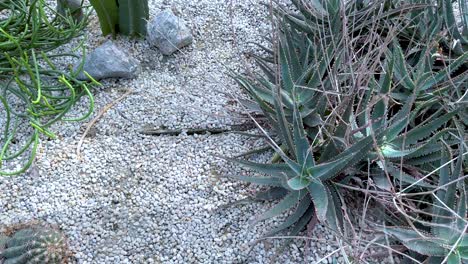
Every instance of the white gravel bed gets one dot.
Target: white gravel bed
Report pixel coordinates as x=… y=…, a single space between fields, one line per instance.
x=131 y=198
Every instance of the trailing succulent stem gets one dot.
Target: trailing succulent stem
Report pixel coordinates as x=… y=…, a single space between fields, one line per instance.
x=362 y=96
x=34 y=92
x=34 y=245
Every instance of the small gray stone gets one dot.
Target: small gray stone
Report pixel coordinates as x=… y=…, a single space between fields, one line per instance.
x=73 y=7
x=109 y=61
x=168 y=32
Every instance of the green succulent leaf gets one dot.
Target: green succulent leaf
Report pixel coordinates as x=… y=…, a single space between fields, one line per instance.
x=301 y=209
x=388 y=151
x=319 y=195
x=291 y=200
x=334 y=214
x=454 y=258
x=446 y=73
x=276 y=169
x=401 y=69
x=269 y=181
x=298 y=183
x=271 y=194
x=328 y=170
x=419 y=133
x=303 y=151
x=402 y=176
x=427 y=245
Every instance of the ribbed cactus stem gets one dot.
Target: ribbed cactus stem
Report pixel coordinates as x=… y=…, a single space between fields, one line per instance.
x=34 y=246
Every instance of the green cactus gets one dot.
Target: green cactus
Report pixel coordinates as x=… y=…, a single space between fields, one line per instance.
x=33 y=245
x=122 y=16
x=133 y=16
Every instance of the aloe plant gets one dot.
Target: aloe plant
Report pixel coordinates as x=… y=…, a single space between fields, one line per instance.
x=122 y=16
x=376 y=95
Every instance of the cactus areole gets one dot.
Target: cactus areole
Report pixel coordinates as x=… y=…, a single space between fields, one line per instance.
x=34 y=245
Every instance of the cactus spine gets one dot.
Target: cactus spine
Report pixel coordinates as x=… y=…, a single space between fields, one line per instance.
x=33 y=245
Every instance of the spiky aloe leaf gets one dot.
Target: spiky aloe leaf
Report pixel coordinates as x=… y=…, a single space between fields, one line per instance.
x=303 y=151
x=108 y=14
x=319 y=196
x=352 y=154
x=424 y=159
x=402 y=176
x=428 y=245
x=445 y=224
x=133 y=17
x=454 y=258
x=463 y=248
x=427 y=147
x=402 y=73
x=271 y=194
x=298 y=183
x=421 y=132
x=287 y=40
x=388 y=151
x=286 y=72
x=276 y=169
x=269 y=181
x=328 y=170
x=265 y=67
x=445 y=73
x=425 y=246
x=297 y=227
x=268 y=92
x=301 y=209
x=334 y=214
x=287 y=203
x=381 y=180
x=438 y=211
x=288 y=86
x=399 y=121
x=431 y=146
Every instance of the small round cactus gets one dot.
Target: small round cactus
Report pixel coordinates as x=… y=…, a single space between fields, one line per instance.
x=34 y=245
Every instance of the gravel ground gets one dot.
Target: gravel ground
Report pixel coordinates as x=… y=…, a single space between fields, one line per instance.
x=132 y=198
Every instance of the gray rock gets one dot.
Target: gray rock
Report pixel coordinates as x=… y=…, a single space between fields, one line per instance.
x=72 y=6
x=168 y=32
x=109 y=61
